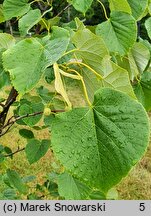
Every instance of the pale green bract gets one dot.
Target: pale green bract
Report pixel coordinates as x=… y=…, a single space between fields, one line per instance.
x=99 y=145
x=81 y=5
x=15 y=8
x=28 y=21
x=119 y=32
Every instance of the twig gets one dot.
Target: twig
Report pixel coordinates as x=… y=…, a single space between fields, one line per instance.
x=63 y=10
x=17 y=118
x=10 y=100
x=15 y=152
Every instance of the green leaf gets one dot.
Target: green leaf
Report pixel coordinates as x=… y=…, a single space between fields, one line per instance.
x=8 y=150
x=81 y=5
x=16 y=181
x=30 y=108
x=137 y=60
x=45 y=94
x=138 y=8
x=116 y=77
x=120 y=5
x=28 y=21
x=9 y=194
x=28 y=134
x=55 y=45
x=24 y=61
x=28 y=179
x=36 y=150
x=15 y=8
x=119 y=32
x=71 y=188
x=139 y=57
x=143 y=90
x=2 y=18
x=97 y=195
x=99 y=145
x=90 y=48
x=112 y=194
x=149 y=8
x=49 y=75
x=4 y=78
x=148 y=26
x=6 y=40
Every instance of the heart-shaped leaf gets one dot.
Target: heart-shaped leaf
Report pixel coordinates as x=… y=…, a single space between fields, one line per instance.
x=99 y=145
x=81 y=5
x=118 y=32
x=15 y=8
x=36 y=150
x=138 y=8
x=28 y=21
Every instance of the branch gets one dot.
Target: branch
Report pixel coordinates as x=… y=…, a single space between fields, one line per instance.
x=10 y=100
x=10 y=122
x=63 y=10
x=15 y=152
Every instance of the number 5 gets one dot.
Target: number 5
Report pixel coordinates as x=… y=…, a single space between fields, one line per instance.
x=142 y=206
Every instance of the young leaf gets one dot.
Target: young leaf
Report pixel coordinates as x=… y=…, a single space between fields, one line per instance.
x=119 y=32
x=59 y=85
x=16 y=181
x=30 y=108
x=24 y=61
x=71 y=188
x=15 y=8
x=6 y=40
x=138 y=8
x=81 y=5
x=9 y=194
x=36 y=150
x=28 y=134
x=45 y=94
x=28 y=21
x=104 y=142
x=148 y=26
